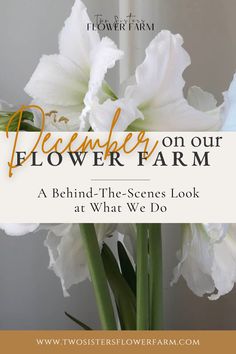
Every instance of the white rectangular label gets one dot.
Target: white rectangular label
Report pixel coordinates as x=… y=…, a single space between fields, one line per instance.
x=190 y=177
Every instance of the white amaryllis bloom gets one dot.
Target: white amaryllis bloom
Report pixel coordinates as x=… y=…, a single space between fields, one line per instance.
x=67 y=254
x=155 y=102
x=229 y=110
x=65 y=84
x=18 y=229
x=207 y=260
x=65 y=247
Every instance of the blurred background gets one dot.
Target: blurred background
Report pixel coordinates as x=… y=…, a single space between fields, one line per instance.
x=30 y=294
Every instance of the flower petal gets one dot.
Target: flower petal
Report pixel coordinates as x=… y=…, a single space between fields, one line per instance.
x=201 y=100
x=103 y=57
x=75 y=41
x=18 y=229
x=104 y=230
x=67 y=254
x=229 y=111
x=156 y=102
x=224 y=267
x=159 y=78
x=208 y=259
x=102 y=115
x=216 y=232
x=58 y=118
x=196 y=259
x=57 y=81
x=67 y=257
x=176 y=116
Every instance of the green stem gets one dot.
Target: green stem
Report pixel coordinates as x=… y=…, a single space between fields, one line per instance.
x=156 y=281
x=98 y=277
x=142 y=278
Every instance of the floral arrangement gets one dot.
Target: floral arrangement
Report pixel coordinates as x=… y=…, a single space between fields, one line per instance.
x=71 y=89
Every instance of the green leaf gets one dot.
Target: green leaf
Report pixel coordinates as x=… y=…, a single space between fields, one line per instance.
x=27 y=117
x=127 y=268
x=4 y=119
x=156 y=277
x=142 y=278
x=98 y=276
x=28 y=127
x=124 y=297
x=78 y=322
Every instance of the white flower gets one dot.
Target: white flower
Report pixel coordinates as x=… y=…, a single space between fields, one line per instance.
x=207 y=260
x=67 y=254
x=18 y=229
x=66 y=84
x=155 y=102
x=230 y=107
x=65 y=247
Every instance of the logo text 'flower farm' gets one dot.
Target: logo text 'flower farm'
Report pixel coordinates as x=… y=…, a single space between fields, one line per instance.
x=128 y=23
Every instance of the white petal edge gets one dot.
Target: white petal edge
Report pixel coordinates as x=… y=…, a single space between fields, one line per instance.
x=195 y=260
x=229 y=110
x=18 y=229
x=159 y=78
x=201 y=100
x=104 y=57
x=75 y=41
